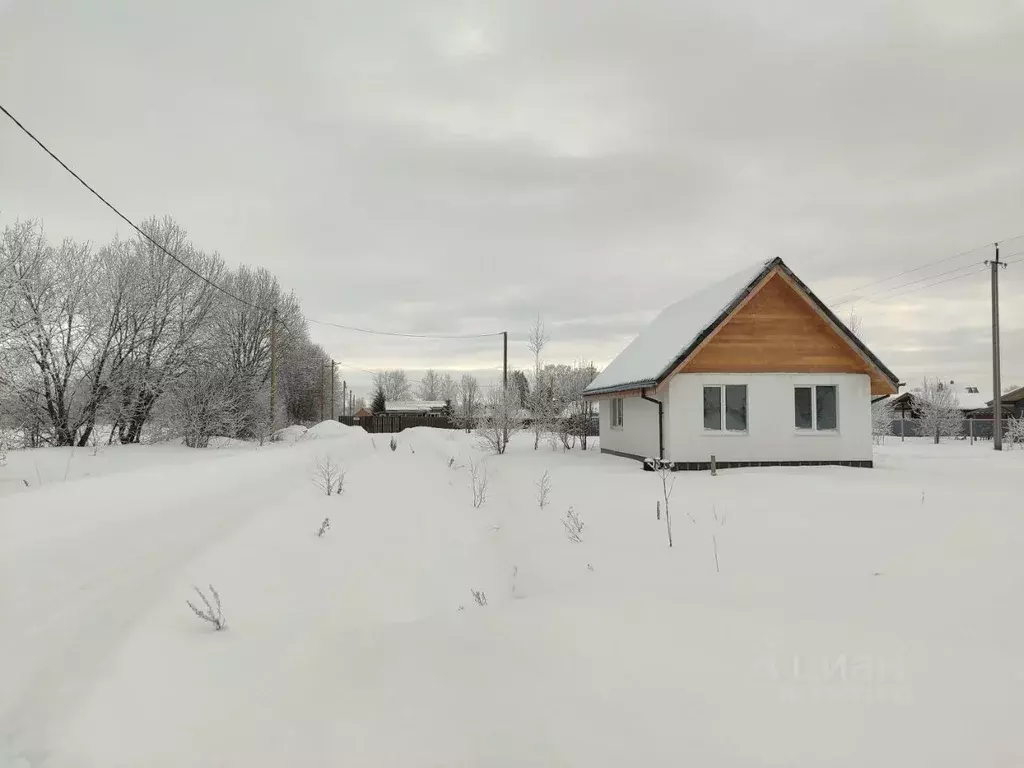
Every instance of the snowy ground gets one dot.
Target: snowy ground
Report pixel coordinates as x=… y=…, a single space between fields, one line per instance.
x=860 y=617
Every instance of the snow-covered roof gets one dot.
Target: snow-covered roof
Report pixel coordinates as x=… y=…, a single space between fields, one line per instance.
x=649 y=356
x=677 y=331
x=970 y=401
x=415 y=405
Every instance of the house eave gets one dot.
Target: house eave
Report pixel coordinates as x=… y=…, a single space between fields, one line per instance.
x=614 y=389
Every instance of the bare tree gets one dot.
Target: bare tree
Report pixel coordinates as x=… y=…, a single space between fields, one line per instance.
x=575 y=414
x=882 y=415
x=855 y=323
x=58 y=323
x=447 y=389
x=206 y=401
x=940 y=412
x=394 y=384
x=328 y=476
x=467 y=411
x=430 y=386
x=502 y=418
x=541 y=397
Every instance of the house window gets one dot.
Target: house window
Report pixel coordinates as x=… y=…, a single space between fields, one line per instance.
x=816 y=408
x=616 y=413
x=725 y=408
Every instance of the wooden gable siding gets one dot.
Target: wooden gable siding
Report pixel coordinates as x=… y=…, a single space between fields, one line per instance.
x=777 y=330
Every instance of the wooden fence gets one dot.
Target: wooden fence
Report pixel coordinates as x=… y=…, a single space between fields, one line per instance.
x=393 y=422
x=389 y=422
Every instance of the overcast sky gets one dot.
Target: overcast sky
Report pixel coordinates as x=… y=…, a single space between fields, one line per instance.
x=458 y=167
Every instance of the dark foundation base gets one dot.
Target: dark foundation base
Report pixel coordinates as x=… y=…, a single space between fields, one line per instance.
x=700 y=466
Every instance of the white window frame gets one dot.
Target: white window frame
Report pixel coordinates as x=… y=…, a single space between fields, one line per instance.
x=813 y=429
x=722 y=429
x=616 y=418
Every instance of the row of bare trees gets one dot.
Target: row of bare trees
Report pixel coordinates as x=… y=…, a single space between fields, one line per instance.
x=120 y=341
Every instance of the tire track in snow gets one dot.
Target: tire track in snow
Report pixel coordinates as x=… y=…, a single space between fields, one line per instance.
x=70 y=600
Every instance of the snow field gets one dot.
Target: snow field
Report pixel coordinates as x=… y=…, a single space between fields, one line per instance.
x=859 y=617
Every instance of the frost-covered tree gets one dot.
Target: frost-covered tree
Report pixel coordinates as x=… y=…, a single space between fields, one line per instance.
x=205 y=401
x=882 y=415
x=168 y=319
x=540 y=401
x=98 y=337
x=1015 y=431
x=448 y=389
x=939 y=407
x=575 y=413
x=502 y=417
x=468 y=406
x=430 y=386
x=394 y=383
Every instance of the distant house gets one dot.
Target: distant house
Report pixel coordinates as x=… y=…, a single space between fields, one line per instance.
x=415 y=408
x=753 y=369
x=971 y=402
x=363 y=413
x=1013 y=403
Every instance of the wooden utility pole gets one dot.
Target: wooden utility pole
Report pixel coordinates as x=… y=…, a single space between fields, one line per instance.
x=344 y=398
x=332 y=390
x=273 y=368
x=997 y=384
x=504 y=346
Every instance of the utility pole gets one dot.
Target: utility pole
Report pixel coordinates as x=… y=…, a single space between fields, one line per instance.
x=344 y=398
x=273 y=367
x=504 y=345
x=332 y=390
x=997 y=384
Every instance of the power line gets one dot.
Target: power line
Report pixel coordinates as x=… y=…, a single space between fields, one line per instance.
x=913 y=270
x=913 y=282
x=206 y=280
x=405 y=335
x=128 y=221
x=949 y=280
x=930 y=285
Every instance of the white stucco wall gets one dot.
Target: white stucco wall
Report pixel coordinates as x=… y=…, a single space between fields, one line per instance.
x=771 y=434
x=639 y=433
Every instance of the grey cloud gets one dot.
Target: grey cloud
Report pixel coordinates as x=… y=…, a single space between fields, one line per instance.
x=450 y=167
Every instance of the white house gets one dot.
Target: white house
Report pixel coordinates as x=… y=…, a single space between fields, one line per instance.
x=754 y=370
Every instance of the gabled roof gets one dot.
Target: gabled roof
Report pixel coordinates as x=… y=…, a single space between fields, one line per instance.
x=674 y=334
x=1010 y=397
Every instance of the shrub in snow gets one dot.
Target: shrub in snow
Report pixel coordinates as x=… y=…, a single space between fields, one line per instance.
x=478 y=482
x=940 y=411
x=213 y=615
x=719 y=523
x=573 y=526
x=1014 y=431
x=502 y=418
x=882 y=415
x=324 y=527
x=479 y=597
x=543 y=489
x=328 y=476
x=664 y=470
x=394 y=443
